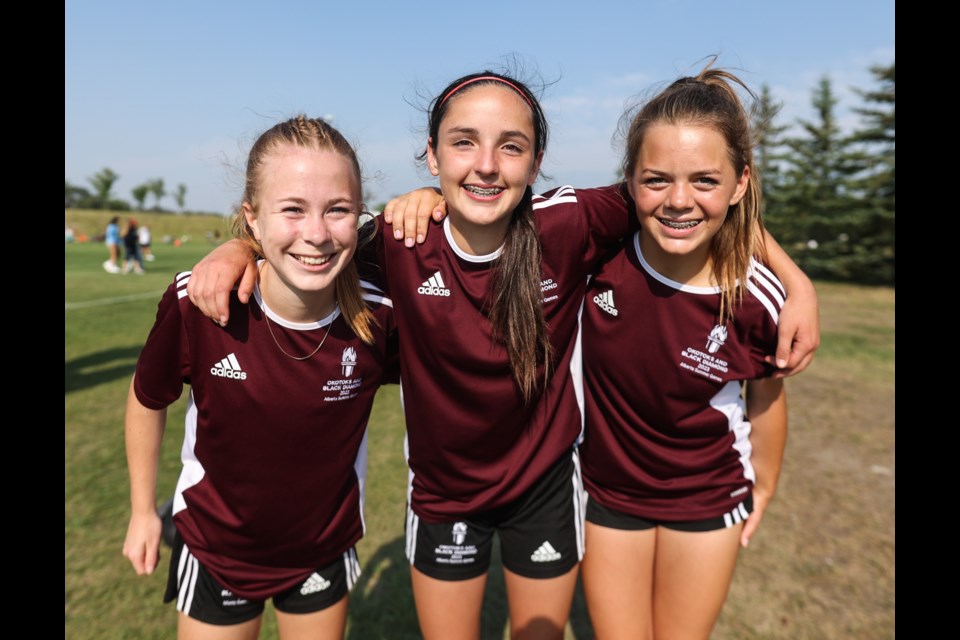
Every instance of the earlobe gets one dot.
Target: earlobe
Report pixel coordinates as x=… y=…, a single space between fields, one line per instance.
x=536 y=170
x=742 y=183
x=251 y=219
x=432 y=164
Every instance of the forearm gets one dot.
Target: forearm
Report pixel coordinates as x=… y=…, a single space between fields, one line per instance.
x=767 y=411
x=143 y=433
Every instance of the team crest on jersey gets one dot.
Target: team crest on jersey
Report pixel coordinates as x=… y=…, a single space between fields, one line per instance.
x=716 y=338
x=349 y=361
x=434 y=286
x=346 y=386
x=229 y=367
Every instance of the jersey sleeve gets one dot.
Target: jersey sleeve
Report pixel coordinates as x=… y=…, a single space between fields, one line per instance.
x=606 y=216
x=163 y=366
x=768 y=295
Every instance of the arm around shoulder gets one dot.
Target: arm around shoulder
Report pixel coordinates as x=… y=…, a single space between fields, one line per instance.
x=799 y=325
x=214 y=277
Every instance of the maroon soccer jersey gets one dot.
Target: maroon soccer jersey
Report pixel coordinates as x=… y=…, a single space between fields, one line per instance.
x=473 y=444
x=667 y=437
x=273 y=446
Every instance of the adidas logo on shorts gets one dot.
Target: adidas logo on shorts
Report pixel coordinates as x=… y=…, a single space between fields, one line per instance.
x=314 y=583
x=545 y=553
x=434 y=287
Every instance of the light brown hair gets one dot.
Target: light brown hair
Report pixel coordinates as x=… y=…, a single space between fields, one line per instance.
x=710 y=100
x=307 y=133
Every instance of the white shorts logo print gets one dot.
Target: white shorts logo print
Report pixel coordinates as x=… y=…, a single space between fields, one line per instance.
x=434 y=287
x=605 y=301
x=457 y=553
x=314 y=583
x=229 y=367
x=545 y=553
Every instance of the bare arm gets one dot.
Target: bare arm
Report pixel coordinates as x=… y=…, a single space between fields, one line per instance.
x=799 y=324
x=767 y=410
x=144 y=432
x=214 y=277
x=411 y=213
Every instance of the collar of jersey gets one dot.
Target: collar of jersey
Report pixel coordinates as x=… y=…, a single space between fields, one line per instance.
x=463 y=254
x=296 y=326
x=702 y=291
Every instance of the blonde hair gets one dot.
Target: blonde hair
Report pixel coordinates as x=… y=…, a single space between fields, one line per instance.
x=307 y=133
x=711 y=100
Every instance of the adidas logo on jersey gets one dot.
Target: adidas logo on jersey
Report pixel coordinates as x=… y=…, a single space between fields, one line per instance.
x=545 y=553
x=605 y=301
x=434 y=286
x=228 y=368
x=314 y=583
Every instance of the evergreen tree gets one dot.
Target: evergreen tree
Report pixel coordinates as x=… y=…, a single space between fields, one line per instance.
x=874 y=243
x=815 y=208
x=768 y=143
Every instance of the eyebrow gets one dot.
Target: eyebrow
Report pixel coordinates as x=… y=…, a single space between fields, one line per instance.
x=301 y=201
x=702 y=172
x=474 y=132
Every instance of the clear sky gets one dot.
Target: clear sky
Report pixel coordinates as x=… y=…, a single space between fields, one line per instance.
x=179 y=89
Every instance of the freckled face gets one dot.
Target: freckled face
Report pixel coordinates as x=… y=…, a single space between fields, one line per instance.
x=683 y=185
x=306 y=222
x=485 y=160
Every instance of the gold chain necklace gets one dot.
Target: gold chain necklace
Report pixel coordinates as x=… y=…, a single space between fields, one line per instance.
x=309 y=355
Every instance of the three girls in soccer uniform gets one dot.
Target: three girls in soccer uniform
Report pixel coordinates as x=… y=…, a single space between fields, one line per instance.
x=491 y=370
x=269 y=501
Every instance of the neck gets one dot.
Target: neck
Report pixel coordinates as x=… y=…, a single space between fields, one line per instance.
x=694 y=269
x=476 y=239
x=295 y=306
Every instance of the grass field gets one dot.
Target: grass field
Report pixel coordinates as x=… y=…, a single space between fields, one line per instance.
x=822 y=566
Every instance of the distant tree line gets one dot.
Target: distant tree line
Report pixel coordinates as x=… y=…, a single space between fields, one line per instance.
x=100 y=194
x=830 y=197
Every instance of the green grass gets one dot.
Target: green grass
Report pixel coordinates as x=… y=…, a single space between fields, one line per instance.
x=821 y=566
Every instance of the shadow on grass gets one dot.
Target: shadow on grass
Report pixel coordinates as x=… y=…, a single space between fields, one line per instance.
x=97 y=368
x=381 y=603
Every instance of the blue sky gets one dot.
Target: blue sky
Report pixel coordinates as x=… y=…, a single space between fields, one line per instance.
x=180 y=89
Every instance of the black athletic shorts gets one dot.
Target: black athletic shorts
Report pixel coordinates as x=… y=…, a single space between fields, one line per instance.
x=200 y=596
x=541 y=533
x=613 y=519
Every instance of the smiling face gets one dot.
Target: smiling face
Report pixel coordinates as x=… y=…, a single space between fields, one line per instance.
x=485 y=156
x=305 y=219
x=683 y=185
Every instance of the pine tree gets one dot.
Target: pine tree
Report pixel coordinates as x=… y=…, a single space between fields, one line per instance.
x=873 y=259
x=816 y=202
x=767 y=144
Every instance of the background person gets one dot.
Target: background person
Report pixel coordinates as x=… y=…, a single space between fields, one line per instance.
x=112 y=239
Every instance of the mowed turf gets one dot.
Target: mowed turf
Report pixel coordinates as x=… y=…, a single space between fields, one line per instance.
x=821 y=566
